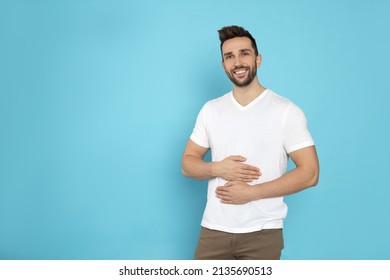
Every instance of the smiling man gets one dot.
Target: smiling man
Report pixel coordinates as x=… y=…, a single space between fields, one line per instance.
x=251 y=132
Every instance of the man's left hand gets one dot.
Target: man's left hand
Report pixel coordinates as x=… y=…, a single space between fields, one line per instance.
x=235 y=192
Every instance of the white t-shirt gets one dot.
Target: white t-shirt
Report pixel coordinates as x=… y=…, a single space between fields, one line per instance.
x=264 y=132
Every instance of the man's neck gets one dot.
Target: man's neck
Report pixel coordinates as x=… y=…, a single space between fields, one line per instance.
x=245 y=95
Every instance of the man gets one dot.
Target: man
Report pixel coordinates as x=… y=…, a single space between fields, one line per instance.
x=251 y=132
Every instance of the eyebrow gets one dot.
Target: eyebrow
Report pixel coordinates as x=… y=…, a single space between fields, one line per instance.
x=241 y=51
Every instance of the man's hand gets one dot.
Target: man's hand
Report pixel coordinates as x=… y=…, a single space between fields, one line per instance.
x=304 y=175
x=232 y=168
x=235 y=192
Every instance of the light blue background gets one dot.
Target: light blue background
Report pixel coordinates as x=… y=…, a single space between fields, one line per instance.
x=98 y=99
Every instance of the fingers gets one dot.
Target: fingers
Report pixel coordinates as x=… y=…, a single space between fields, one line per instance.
x=249 y=173
x=250 y=168
x=223 y=194
x=245 y=166
x=246 y=177
x=237 y=158
x=233 y=192
x=234 y=168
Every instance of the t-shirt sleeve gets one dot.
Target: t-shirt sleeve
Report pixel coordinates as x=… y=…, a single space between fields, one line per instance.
x=199 y=133
x=295 y=133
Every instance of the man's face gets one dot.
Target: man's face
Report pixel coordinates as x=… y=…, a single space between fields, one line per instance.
x=239 y=61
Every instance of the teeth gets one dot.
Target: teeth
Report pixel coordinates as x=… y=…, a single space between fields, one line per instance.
x=239 y=72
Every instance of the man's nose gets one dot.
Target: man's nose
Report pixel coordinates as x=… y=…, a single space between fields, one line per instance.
x=237 y=61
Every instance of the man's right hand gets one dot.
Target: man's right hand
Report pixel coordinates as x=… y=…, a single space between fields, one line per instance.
x=232 y=168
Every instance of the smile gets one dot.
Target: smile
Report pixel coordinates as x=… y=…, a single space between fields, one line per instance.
x=240 y=72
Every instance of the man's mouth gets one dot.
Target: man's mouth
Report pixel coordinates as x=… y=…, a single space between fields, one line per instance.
x=241 y=72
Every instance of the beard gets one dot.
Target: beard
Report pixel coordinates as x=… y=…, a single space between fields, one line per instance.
x=251 y=75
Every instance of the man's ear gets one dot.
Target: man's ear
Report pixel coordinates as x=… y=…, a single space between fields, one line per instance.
x=258 y=60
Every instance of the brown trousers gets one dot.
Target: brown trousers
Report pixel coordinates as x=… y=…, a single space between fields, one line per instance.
x=266 y=244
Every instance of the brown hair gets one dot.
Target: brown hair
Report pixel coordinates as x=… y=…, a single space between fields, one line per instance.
x=230 y=32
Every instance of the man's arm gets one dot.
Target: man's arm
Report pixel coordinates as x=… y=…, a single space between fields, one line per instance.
x=230 y=168
x=304 y=175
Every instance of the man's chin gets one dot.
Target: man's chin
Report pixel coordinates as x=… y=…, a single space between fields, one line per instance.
x=242 y=84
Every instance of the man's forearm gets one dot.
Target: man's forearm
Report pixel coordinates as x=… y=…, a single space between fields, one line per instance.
x=196 y=168
x=294 y=181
